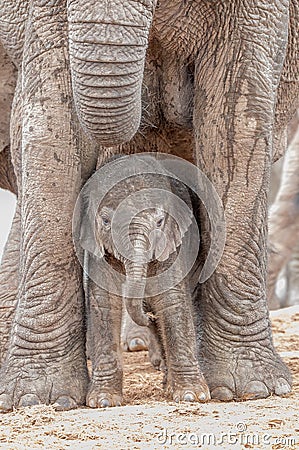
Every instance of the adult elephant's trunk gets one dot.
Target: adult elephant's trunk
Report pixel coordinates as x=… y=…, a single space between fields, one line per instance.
x=107 y=44
x=134 y=289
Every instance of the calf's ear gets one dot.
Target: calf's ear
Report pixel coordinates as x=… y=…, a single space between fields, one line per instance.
x=88 y=236
x=88 y=240
x=173 y=234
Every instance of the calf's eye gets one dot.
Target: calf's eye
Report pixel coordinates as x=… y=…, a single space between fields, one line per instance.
x=106 y=221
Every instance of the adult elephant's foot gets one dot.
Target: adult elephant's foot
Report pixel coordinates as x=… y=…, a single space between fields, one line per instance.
x=247 y=376
x=21 y=384
x=105 y=389
x=187 y=388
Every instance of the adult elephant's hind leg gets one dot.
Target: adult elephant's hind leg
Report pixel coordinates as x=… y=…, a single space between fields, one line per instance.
x=236 y=77
x=45 y=362
x=9 y=273
x=284 y=218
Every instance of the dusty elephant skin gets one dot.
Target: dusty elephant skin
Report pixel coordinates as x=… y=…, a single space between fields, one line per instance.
x=8 y=275
x=172 y=310
x=284 y=225
x=220 y=84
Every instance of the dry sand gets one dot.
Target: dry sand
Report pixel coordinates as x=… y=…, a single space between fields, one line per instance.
x=148 y=421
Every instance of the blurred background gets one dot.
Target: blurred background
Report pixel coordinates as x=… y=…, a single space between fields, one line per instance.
x=7 y=208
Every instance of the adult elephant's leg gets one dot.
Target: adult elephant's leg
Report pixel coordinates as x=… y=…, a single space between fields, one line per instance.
x=46 y=356
x=286 y=119
x=293 y=293
x=9 y=282
x=284 y=217
x=8 y=76
x=283 y=220
x=236 y=77
x=7 y=175
x=10 y=106
x=9 y=270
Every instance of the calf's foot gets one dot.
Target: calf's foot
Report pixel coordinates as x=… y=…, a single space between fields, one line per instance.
x=105 y=389
x=96 y=398
x=187 y=387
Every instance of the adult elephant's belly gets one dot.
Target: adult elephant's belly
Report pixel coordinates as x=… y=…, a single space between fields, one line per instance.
x=167 y=101
x=178 y=92
x=168 y=92
x=166 y=138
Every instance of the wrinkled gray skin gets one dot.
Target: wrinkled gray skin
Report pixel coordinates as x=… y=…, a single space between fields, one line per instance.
x=284 y=225
x=8 y=275
x=172 y=310
x=218 y=87
x=135 y=338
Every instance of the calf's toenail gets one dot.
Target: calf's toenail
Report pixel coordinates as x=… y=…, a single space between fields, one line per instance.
x=189 y=397
x=202 y=397
x=104 y=403
x=92 y=403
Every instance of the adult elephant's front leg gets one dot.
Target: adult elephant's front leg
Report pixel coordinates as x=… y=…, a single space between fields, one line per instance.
x=236 y=79
x=46 y=357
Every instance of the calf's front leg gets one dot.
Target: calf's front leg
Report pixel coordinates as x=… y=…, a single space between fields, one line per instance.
x=104 y=319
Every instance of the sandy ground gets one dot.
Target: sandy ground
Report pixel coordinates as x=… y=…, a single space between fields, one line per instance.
x=148 y=421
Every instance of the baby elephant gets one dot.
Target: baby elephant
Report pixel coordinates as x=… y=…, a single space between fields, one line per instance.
x=138 y=240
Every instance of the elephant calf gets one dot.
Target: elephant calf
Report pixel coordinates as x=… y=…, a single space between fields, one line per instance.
x=141 y=249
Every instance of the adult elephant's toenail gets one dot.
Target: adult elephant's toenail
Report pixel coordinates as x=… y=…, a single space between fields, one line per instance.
x=29 y=400
x=255 y=390
x=202 y=397
x=222 y=394
x=282 y=387
x=65 y=403
x=5 y=403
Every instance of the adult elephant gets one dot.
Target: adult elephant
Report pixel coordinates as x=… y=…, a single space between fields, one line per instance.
x=8 y=278
x=284 y=225
x=220 y=84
